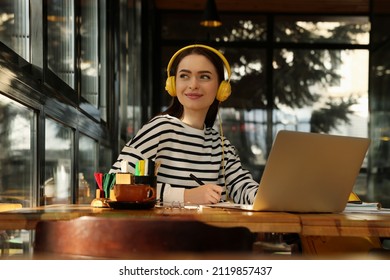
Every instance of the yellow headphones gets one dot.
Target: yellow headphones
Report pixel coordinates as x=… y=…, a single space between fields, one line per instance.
x=224 y=89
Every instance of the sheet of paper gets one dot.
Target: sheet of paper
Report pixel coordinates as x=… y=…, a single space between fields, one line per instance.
x=231 y=205
x=366 y=207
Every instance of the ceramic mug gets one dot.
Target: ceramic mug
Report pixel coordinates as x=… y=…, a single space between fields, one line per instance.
x=140 y=193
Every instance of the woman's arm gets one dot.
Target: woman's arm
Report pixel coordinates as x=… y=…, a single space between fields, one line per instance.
x=241 y=187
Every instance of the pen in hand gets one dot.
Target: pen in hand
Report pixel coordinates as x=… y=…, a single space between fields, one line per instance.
x=196 y=179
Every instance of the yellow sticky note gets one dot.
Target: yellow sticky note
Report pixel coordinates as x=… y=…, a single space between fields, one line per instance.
x=123 y=178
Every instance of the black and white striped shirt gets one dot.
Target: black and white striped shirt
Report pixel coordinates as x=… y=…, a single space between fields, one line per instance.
x=182 y=150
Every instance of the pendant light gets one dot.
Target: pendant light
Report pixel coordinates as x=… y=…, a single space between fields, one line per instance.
x=210 y=16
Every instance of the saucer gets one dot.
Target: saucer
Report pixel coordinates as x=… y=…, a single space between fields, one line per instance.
x=132 y=204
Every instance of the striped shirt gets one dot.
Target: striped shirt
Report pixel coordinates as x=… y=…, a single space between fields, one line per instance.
x=182 y=150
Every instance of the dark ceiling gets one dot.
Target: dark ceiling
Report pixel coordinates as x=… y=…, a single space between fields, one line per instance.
x=280 y=6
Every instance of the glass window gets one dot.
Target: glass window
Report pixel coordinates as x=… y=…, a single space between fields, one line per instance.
x=105 y=159
x=87 y=167
x=17 y=140
x=248 y=79
x=241 y=28
x=58 y=163
x=186 y=26
x=323 y=91
x=246 y=130
x=15 y=26
x=89 y=51
x=327 y=95
x=60 y=40
x=103 y=60
x=308 y=29
x=243 y=115
x=379 y=183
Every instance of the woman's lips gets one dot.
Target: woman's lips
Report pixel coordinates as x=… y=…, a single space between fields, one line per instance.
x=193 y=95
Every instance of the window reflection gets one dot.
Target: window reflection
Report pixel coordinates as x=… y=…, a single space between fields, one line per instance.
x=103 y=60
x=243 y=113
x=235 y=28
x=105 y=159
x=322 y=91
x=15 y=26
x=60 y=39
x=58 y=163
x=17 y=140
x=89 y=51
x=379 y=183
x=332 y=99
x=87 y=166
x=247 y=130
x=329 y=29
x=242 y=28
x=248 y=67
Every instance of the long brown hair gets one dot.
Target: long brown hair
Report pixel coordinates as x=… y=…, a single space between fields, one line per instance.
x=176 y=108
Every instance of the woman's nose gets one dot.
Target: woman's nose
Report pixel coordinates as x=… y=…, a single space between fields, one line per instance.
x=193 y=84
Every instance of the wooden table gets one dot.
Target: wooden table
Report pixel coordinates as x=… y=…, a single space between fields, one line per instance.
x=342 y=224
x=325 y=234
x=27 y=218
x=346 y=224
x=314 y=229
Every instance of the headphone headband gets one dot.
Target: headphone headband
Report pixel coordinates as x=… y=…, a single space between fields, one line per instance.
x=224 y=60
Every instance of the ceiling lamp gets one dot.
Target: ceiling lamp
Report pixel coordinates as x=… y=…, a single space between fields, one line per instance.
x=210 y=16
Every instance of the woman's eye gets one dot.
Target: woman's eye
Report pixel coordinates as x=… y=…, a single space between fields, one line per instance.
x=183 y=76
x=205 y=77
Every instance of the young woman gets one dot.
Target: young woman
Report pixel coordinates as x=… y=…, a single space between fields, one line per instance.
x=182 y=138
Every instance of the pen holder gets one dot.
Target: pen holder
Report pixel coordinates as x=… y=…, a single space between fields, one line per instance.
x=146 y=180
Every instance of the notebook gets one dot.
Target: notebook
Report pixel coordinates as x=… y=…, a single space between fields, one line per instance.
x=309 y=172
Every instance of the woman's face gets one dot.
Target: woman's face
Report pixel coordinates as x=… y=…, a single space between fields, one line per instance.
x=196 y=83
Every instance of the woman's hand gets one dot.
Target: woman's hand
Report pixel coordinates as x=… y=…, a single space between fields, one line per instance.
x=205 y=194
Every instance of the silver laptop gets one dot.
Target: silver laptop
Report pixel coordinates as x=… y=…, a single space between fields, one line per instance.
x=310 y=172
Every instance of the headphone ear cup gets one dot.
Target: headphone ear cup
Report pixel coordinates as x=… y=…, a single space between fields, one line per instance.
x=224 y=91
x=170 y=86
